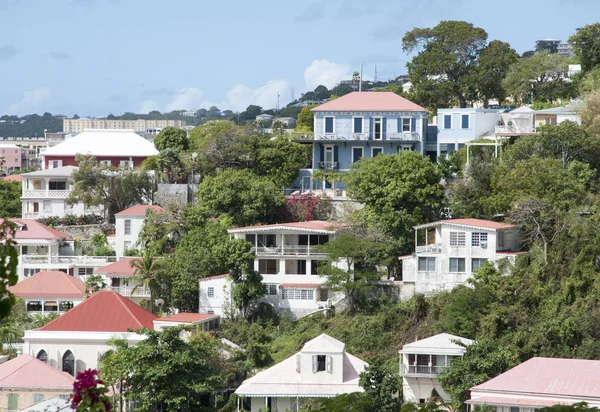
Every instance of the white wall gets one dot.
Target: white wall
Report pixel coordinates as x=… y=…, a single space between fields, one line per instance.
x=137 y=222
x=222 y=296
x=415 y=389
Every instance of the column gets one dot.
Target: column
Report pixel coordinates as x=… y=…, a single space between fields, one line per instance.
x=282 y=244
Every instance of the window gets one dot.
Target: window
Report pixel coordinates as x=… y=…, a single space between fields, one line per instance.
x=127 y=226
x=378 y=129
x=457 y=238
x=211 y=312
x=43 y=356
x=357 y=153
x=210 y=292
x=301 y=267
x=124 y=163
x=478 y=238
x=55 y=164
x=85 y=271
x=457 y=265
x=298 y=294
x=357 y=125
x=38 y=397
x=68 y=363
x=514 y=409
x=47 y=206
x=500 y=239
x=57 y=185
x=267 y=240
x=267 y=266
x=476 y=263
x=314 y=267
x=406 y=125
x=321 y=363
x=329 y=125
x=447 y=121
x=318 y=239
x=464 y=121
x=271 y=290
x=376 y=150
x=323 y=294
x=426 y=264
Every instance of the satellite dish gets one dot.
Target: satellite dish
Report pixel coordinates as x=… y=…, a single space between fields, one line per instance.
x=159 y=302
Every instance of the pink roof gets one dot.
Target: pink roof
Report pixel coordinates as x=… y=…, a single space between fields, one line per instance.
x=370 y=102
x=25 y=371
x=53 y=284
x=187 y=317
x=140 y=210
x=508 y=401
x=32 y=229
x=224 y=275
x=120 y=268
x=548 y=376
x=487 y=224
x=13 y=178
x=300 y=285
x=314 y=225
x=106 y=311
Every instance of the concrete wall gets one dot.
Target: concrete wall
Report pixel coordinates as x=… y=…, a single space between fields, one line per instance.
x=85 y=232
x=172 y=196
x=220 y=303
x=415 y=389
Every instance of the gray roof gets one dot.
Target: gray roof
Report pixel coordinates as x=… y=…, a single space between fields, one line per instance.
x=64 y=171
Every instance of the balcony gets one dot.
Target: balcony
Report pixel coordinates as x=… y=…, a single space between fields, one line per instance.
x=515 y=130
x=127 y=291
x=404 y=137
x=66 y=260
x=432 y=248
x=328 y=165
x=401 y=136
x=45 y=194
x=291 y=250
x=421 y=370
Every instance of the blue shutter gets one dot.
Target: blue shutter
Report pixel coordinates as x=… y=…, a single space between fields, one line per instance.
x=371 y=128
x=413 y=125
x=321 y=155
x=384 y=126
x=335 y=153
x=399 y=125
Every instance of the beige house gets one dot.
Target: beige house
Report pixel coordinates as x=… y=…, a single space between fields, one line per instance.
x=140 y=125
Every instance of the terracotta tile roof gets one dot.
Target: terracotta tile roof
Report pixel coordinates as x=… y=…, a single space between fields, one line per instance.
x=479 y=223
x=300 y=285
x=224 y=275
x=312 y=225
x=52 y=284
x=13 y=178
x=32 y=229
x=550 y=376
x=370 y=102
x=27 y=372
x=187 y=317
x=140 y=210
x=120 y=268
x=106 y=311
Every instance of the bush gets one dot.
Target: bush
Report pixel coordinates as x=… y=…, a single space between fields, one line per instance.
x=72 y=220
x=308 y=206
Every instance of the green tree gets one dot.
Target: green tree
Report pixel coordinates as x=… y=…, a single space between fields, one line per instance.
x=447 y=59
x=146 y=274
x=8 y=266
x=590 y=113
x=93 y=284
x=171 y=138
x=242 y=195
x=348 y=402
x=546 y=45
x=493 y=65
x=305 y=122
x=321 y=92
x=586 y=46
x=383 y=388
x=541 y=77
x=170 y=162
x=10 y=198
x=160 y=232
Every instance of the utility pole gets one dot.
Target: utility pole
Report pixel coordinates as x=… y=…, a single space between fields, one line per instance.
x=375 y=78
x=277 y=101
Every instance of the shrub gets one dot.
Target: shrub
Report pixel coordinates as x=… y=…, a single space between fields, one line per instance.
x=72 y=220
x=308 y=206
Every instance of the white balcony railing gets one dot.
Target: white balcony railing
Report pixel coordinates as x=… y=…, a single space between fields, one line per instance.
x=48 y=194
x=433 y=248
x=421 y=370
x=291 y=250
x=515 y=129
x=66 y=260
x=406 y=136
x=328 y=165
x=129 y=291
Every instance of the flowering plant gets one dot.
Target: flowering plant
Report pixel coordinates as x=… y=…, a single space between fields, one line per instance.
x=308 y=206
x=89 y=393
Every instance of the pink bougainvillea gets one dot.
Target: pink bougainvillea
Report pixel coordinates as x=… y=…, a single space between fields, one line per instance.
x=89 y=393
x=308 y=206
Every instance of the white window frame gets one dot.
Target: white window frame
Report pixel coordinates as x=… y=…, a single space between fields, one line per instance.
x=427 y=260
x=210 y=291
x=374 y=120
x=271 y=289
x=325 y=124
x=409 y=125
x=457 y=265
x=127 y=226
x=375 y=148
x=362 y=148
x=478 y=237
x=362 y=124
x=458 y=239
x=444 y=121
x=468 y=123
x=481 y=262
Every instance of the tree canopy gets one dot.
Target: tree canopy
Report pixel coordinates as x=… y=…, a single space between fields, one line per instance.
x=10 y=198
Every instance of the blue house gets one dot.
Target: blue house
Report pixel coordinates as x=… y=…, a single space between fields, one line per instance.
x=456 y=127
x=362 y=125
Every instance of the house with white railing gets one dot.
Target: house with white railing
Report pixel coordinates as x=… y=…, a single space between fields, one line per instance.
x=447 y=252
x=118 y=276
x=422 y=361
x=518 y=122
x=287 y=257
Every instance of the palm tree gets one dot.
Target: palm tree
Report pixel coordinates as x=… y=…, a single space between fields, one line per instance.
x=318 y=176
x=146 y=274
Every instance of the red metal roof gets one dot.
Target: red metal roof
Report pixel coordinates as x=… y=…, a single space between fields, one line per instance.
x=224 y=275
x=120 y=268
x=548 y=376
x=140 y=210
x=301 y=285
x=187 y=317
x=13 y=178
x=487 y=224
x=370 y=102
x=25 y=371
x=315 y=225
x=32 y=229
x=52 y=284
x=106 y=311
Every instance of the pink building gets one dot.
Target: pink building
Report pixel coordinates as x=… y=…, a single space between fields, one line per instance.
x=11 y=158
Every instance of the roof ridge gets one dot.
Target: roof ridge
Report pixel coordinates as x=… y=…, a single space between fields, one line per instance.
x=21 y=366
x=120 y=299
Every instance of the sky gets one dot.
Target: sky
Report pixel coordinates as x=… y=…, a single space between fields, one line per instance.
x=96 y=57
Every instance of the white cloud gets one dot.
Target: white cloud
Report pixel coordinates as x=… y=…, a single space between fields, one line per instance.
x=326 y=73
x=186 y=98
x=32 y=101
x=241 y=96
x=147 y=106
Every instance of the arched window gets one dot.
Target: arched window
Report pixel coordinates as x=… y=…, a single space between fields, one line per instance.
x=68 y=363
x=43 y=356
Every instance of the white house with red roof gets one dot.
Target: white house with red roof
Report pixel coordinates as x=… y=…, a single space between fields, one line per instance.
x=75 y=340
x=129 y=224
x=541 y=382
x=26 y=381
x=447 y=252
x=118 y=276
x=322 y=369
x=287 y=259
x=50 y=292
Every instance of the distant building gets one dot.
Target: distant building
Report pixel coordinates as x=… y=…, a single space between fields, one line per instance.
x=557 y=115
x=10 y=158
x=264 y=117
x=140 y=125
x=189 y=113
x=456 y=127
x=573 y=70
x=288 y=122
x=565 y=49
x=199 y=321
x=119 y=276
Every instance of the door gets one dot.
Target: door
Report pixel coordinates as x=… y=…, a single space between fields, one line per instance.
x=36 y=207
x=357 y=153
x=378 y=130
